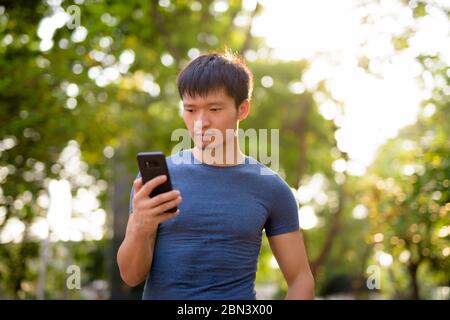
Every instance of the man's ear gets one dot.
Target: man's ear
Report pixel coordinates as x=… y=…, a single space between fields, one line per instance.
x=244 y=109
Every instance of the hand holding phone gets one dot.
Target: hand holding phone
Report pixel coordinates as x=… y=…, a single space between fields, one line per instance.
x=152 y=165
x=146 y=214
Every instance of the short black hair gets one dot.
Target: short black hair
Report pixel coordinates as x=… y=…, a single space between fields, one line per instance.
x=214 y=71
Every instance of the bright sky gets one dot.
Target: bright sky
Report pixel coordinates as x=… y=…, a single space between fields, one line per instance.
x=331 y=36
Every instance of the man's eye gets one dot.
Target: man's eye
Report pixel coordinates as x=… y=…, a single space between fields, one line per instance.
x=215 y=109
x=189 y=110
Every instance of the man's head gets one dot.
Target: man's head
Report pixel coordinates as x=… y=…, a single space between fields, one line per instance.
x=213 y=72
x=216 y=91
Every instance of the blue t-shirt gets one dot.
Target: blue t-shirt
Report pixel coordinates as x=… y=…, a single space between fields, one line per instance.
x=210 y=250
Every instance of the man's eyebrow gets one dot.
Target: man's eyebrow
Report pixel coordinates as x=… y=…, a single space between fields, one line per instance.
x=214 y=103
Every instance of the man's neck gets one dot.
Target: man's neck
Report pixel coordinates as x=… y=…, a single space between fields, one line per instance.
x=220 y=156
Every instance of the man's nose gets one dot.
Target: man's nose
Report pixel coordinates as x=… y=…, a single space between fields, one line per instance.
x=203 y=120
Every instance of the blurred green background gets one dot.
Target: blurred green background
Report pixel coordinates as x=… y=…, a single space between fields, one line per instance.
x=358 y=89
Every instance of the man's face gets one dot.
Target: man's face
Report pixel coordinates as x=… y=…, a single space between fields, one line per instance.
x=216 y=111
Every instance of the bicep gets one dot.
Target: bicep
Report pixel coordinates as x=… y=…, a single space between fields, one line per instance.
x=290 y=253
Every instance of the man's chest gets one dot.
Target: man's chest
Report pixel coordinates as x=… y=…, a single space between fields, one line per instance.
x=219 y=210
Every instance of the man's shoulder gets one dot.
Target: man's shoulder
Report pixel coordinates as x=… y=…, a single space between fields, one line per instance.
x=266 y=175
x=262 y=169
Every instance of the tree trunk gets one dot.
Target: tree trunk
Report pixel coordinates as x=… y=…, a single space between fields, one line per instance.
x=248 y=37
x=412 y=268
x=119 y=197
x=334 y=228
x=301 y=129
x=331 y=235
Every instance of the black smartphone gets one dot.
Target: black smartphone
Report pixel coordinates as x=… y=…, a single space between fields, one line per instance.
x=151 y=165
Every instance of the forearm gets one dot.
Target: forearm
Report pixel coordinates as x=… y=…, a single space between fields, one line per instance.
x=135 y=257
x=301 y=289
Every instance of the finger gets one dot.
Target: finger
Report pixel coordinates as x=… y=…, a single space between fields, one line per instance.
x=152 y=205
x=164 y=197
x=137 y=184
x=167 y=216
x=150 y=185
x=166 y=206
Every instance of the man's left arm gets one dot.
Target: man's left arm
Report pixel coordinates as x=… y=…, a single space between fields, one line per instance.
x=290 y=253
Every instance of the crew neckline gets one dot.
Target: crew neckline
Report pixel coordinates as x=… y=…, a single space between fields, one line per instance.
x=194 y=160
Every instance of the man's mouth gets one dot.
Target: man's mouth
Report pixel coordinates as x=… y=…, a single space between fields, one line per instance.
x=202 y=134
x=204 y=137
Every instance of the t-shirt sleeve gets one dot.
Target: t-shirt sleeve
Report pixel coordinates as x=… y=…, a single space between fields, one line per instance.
x=283 y=214
x=130 y=209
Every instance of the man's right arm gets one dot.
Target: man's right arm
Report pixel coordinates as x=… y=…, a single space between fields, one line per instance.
x=135 y=254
